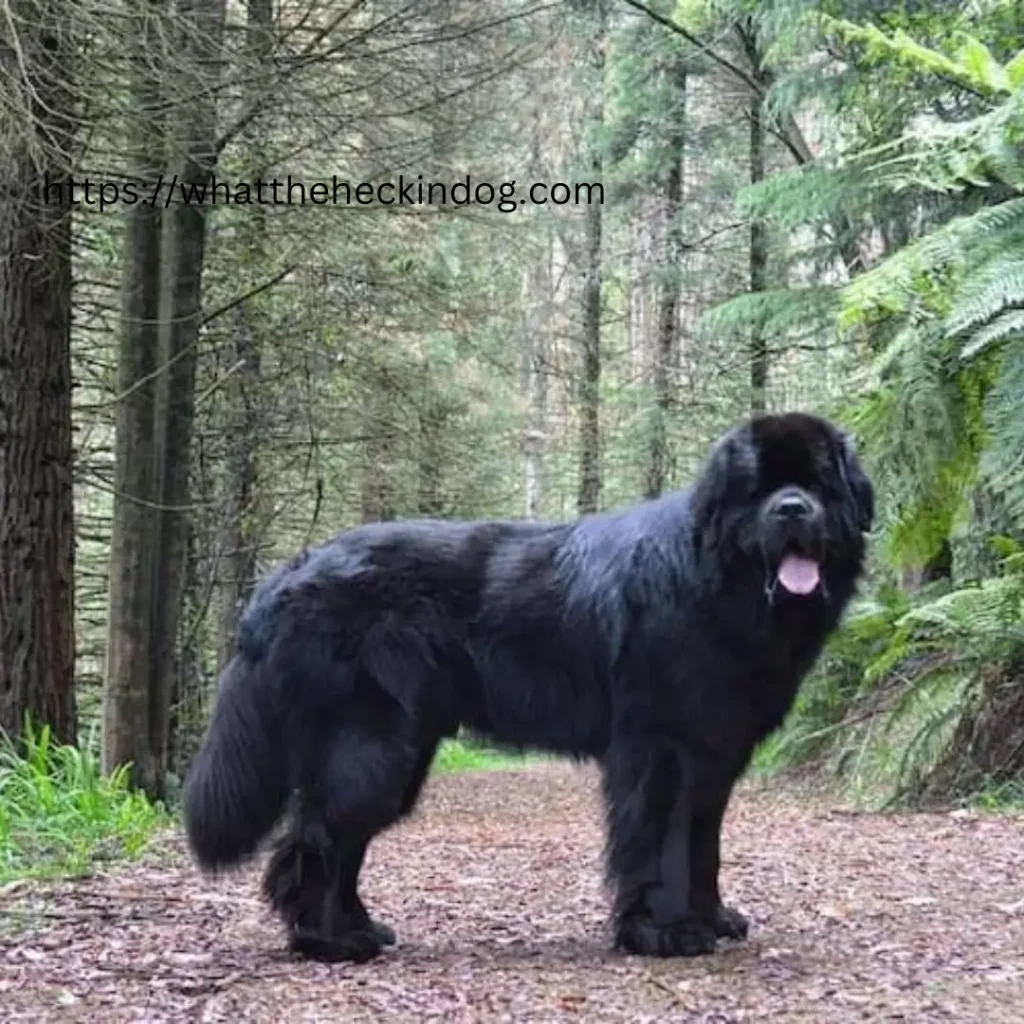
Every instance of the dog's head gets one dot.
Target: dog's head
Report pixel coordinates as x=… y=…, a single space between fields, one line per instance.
x=787 y=496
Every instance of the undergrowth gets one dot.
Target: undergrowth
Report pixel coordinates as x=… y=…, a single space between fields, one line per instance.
x=918 y=701
x=59 y=815
x=466 y=755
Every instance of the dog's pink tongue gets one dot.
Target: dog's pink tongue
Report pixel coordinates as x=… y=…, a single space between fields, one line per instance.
x=799 y=575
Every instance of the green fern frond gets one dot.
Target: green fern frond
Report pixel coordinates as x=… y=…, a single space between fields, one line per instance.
x=898 y=649
x=1003 y=462
x=999 y=286
x=928 y=742
x=905 y=345
x=1008 y=325
x=978 y=152
x=973 y=65
x=981 y=618
x=935 y=675
x=895 y=284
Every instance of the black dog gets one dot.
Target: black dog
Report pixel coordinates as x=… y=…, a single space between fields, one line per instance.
x=665 y=641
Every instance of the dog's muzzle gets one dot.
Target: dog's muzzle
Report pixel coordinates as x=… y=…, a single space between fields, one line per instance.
x=792 y=538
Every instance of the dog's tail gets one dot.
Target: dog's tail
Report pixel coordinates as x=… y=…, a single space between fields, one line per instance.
x=238 y=784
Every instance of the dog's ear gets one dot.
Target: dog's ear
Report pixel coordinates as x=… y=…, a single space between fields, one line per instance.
x=733 y=452
x=857 y=483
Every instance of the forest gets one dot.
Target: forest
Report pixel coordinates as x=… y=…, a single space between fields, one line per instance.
x=273 y=268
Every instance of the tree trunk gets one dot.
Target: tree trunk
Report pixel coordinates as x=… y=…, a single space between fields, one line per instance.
x=534 y=300
x=758 y=265
x=154 y=436
x=790 y=134
x=134 y=532
x=241 y=507
x=182 y=261
x=433 y=409
x=242 y=514
x=37 y=651
x=430 y=500
x=641 y=246
x=188 y=710
x=668 y=312
x=589 y=495
x=378 y=498
x=590 y=389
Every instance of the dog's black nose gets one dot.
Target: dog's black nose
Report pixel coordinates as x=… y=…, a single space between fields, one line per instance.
x=791 y=505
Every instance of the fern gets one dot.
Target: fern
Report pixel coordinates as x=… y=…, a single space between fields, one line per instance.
x=1003 y=462
x=973 y=66
x=895 y=285
x=978 y=152
x=814 y=194
x=981 y=619
x=922 y=430
x=889 y=708
x=985 y=294
x=1008 y=325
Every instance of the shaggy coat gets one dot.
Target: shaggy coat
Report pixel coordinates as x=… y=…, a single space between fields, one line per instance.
x=664 y=641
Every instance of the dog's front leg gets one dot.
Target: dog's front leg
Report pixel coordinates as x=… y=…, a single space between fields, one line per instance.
x=649 y=790
x=705 y=859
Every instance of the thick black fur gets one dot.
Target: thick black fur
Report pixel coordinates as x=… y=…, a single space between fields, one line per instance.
x=656 y=640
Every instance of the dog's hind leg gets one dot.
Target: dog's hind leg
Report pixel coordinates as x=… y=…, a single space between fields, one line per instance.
x=352 y=860
x=313 y=877
x=310 y=882
x=348 y=898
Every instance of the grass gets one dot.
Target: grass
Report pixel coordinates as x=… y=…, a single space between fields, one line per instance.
x=1001 y=798
x=463 y=755
x=59 y=815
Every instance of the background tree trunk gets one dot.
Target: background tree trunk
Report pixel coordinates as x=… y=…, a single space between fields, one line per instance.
x=135 y=529
x=242 y=513
x=182 y=262
x=37 y=651
x=668 y=308
x=378 y=493
x=537 y=308
x=536 y=294
x=430 y=478
x=589 y=496
x=162 y=301
x=758 y=265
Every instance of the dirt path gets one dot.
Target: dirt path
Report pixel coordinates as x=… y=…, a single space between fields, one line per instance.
x=495 y=889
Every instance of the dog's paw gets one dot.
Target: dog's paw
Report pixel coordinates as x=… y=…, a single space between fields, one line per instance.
x=687 y=936
x=356 y=946
x=729 y=923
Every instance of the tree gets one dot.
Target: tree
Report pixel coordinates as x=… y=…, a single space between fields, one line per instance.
x=759 y=360
x=589 y=494
x=163 y=270
x=37 y=61
x=243 y=511
x=193 y=155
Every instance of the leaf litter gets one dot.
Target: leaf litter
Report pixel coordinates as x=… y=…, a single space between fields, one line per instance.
x=496 y=889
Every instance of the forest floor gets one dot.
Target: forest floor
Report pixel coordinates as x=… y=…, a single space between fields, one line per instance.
x=495 y=888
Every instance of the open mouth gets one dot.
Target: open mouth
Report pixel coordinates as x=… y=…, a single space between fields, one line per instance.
x=798 y=574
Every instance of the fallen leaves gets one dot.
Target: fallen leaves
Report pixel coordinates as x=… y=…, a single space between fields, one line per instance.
x=496 y=892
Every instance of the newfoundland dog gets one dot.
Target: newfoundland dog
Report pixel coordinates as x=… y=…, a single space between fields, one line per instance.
x=663 y=640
